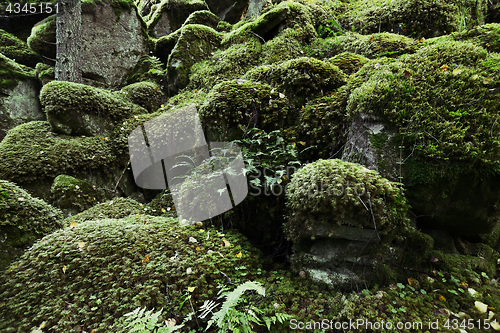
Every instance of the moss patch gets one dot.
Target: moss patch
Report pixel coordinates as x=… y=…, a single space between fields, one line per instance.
x=32 y=152
x=73 y=195
x=108 y=268
x=145 y=94
x=77 y=109
x=234 y=106
x=17 y=50
x=23 y=219
x=11 y=72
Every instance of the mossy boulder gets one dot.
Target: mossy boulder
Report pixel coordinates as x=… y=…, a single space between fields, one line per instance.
x=348 y=62
x=73 y=195
x=170 y=15
x=225 y=65
x=19 y=95
x=204 y=17
x=164 y=45
x=112 y=209
x=195 y=44
x=423 y=109
x=78 y=109
x=23 y=220
x=300 y=79
x=232 y=107
x=145 y=94
x=342 y=218
x=32 y=155
x=421 y=19
x=43 y=37
x=486 y=36
x=17 y=50
x=90 y=274
x=370 y=46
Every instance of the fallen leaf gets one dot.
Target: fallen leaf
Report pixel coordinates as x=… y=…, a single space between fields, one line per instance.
x=226 y=243
x=64 y=269
x=442 y=298
x=410 y=281
x=282 y=95
x=170 y=322
x=457 y=71
x=197 y=248
x=72 y=224
x=146 y=258
x=191 y=289
x=443 y=68
x=189 y=270
x=238 y=255
x=481 y=306
x=192 y=240
x=81 y=245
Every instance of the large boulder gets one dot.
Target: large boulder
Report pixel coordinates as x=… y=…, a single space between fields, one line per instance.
x=345 y=220
x=32 y=156
x=196 y=43
x=78 y=109
x=18 y=95
x=429 y=120
x=113 y=39
x=229 y=10
x=23 y=220
x=73 y=195
x=170 y=15
x=90 y=274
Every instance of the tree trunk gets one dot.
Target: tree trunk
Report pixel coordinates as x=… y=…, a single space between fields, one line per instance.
x=69 y=39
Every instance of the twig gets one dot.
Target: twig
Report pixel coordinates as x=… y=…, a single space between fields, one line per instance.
x=118 y=182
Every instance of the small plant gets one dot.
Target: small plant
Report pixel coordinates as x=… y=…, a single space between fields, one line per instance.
x=143 y=321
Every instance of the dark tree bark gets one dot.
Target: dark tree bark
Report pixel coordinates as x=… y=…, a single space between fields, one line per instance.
x=69 y=39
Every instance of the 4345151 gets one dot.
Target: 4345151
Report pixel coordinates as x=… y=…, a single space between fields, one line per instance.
x=33 y=8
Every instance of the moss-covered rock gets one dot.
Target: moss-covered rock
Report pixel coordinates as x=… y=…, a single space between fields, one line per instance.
x=196 y=43
x=301 y=78
x=232 y=107
x=204 y=17
x=421 y=19
x=445 y=136
x=148 y=68
x=31 y=152
x=107 y=268
x=44 y=73
x=17 y=50
x=19 y=95
x=225 y=64
x=165 y=44
x=43 y=37
x=348 y=62
x=73 y=195
x=371 y=46
x=340 y=215
x=23 y=220
x=486 y=36
x=112 y=209
x=146 y=94
x=77 y=109
x=339 y=193
x=170 y=15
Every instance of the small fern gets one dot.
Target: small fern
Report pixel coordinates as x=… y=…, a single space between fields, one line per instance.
x=143 y=321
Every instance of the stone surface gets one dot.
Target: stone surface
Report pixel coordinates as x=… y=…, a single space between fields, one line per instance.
x=111 y=46
x=18 y=96
x=228 y=10
x=43 y=38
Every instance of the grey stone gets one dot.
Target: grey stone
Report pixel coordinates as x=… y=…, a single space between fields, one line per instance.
x=330 y=230
x=228 y=10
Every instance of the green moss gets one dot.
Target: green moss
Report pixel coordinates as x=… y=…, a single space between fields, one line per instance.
x=112 y=209
x=370 y=46
x=204 y=17
x=322 y=123
x=43 y=37
x=11 y=72
x=148 y=68
x=348 y=62
x=23 y=219
x=108 y=268
x=45 y=73
x=77 y=109
x=421 y=19
x=145 y=94
x=330 y=190
x=17 y=50
x=73 y=195
x=487 y=36
x=32 y=152
x=286 y=46
x=300 y=78
x=234 y=106
x=225 y=65
x=195 y=44
x=165 y=44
